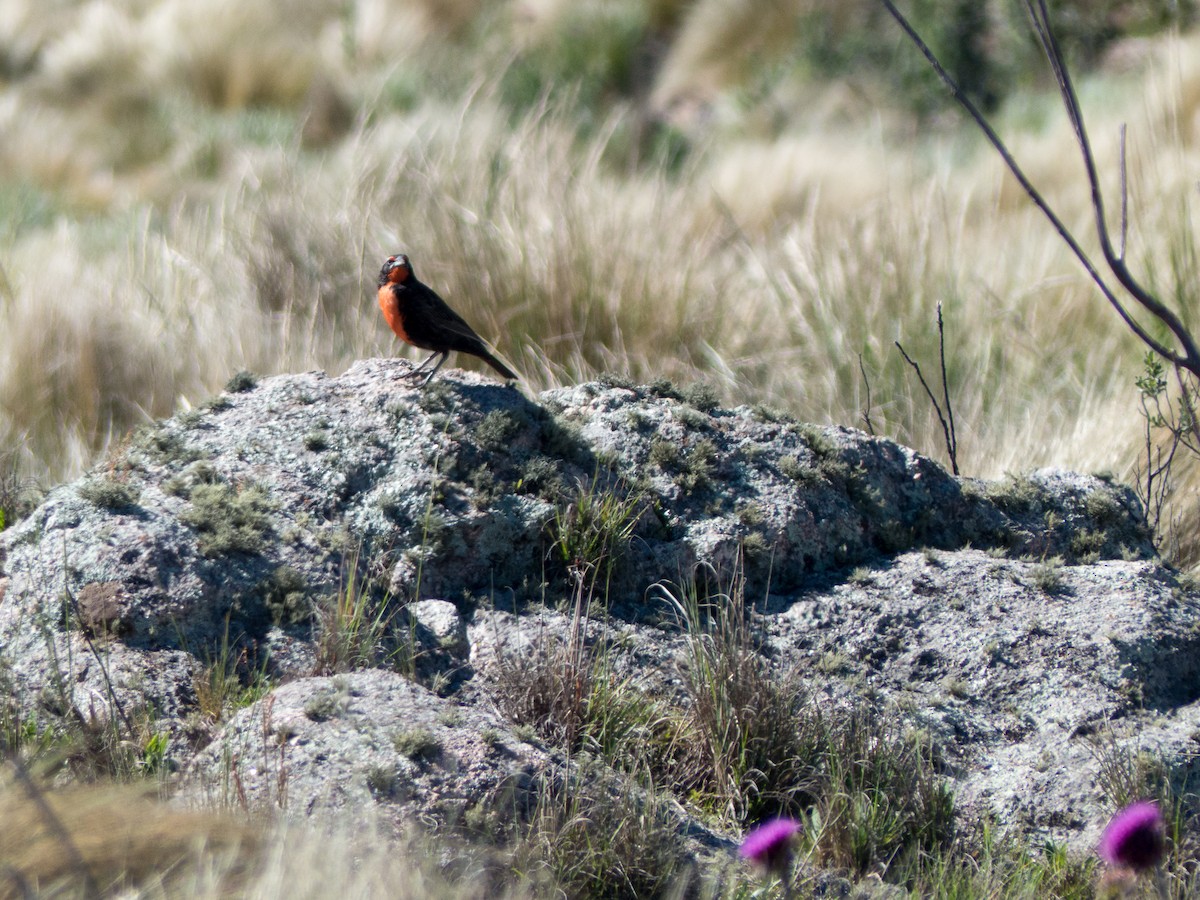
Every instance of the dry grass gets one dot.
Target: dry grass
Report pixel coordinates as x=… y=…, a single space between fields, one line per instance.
x=106 y=841
x=63 y=842
x=154 y=240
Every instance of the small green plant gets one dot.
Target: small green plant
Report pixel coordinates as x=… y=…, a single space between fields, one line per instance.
x=154 y=754
x=1047 y=576
x=754 y=761
x=497 y=429
x=416 y=743
x=227 y=682
x=228 y=520
x=601 y=838
x=591 y=533
x=108 y=493
x=381 y=780
x=287 y=597
x=356 y=631
x=316 y=440
x=241 y=382
x=324 y=706
x=701 y=395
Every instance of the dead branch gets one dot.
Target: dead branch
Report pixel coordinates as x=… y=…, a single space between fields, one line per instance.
x=1188 y=354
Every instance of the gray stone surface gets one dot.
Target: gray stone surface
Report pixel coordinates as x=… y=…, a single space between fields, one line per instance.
x=367 y=740
x=1017 y=622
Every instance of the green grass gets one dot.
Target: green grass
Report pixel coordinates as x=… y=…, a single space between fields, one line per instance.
x=356 y=629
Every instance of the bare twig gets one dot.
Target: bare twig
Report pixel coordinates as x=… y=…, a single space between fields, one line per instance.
x=952 y=436
x=1188 y=356
x=1124 y=194
x=103 y=666
x=951 y=447
x=866 y=411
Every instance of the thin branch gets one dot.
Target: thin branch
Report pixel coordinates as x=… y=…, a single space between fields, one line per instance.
x=952 y=437
x=866 y=412
x=965 y=102
x=1190 y=358
x=112 y=693
x=1189 y=412
x=1124 y=194
x=936 y=407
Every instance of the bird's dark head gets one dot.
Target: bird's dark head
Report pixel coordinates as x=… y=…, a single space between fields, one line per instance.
x=396 y=270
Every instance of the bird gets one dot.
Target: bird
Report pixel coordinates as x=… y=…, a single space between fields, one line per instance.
x=421 y=318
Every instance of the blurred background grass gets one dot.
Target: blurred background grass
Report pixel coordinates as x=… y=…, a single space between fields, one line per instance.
x=752 y=193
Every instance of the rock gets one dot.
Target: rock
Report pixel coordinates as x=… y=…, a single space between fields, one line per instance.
x=366 y=740
x=451 y=531
x=1014 y=668
x=440 y=620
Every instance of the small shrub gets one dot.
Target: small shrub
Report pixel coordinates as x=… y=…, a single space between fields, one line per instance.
x=1047 y=577
x=416 y=743
x=241 y=382
x=496 y=430
x=287 y=597
x=700 y=395
x=316 y=440
x=324 y=706
x=107 y=493
x=227 y=520
x=381 y=780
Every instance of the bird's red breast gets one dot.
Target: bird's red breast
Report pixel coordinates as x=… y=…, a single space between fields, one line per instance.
x=396 y=271
x=389 y=304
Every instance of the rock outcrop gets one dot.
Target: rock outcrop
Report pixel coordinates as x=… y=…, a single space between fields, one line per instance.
x=1025 y=625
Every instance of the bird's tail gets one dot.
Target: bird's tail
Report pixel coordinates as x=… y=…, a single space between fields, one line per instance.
x=499 y=366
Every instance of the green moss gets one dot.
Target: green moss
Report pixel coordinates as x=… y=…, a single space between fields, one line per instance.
x=241 y=382
x=700 y=395
x=287 y=597
x=228 y=521
x=316 y=440
x=416 y=743
x=107 y=493
x=496 y=430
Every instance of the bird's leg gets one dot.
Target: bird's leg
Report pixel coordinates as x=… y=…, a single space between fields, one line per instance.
x=421 y=368
x=429 y=377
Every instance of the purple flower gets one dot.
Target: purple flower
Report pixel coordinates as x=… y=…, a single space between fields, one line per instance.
x=770 y=844
x=1134 y=837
